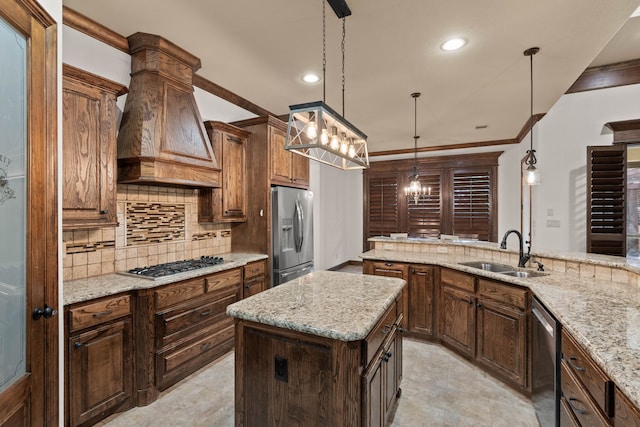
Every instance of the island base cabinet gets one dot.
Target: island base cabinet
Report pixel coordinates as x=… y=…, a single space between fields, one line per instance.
x=100 y=372
x=381 y=384
x=290 y=378
x=458 y=319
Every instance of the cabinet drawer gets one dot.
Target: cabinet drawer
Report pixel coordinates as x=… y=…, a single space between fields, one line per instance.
x=223 y=280
x=511 y=295
x=177 y=362
x=88 y=315
x=577 y=398
x=255 y=269
x=567 y=419
x=627 y=415
x=379 y=333
x=389 y=269
x=458 y=279
x=180 y=322
x=587 y=372
x=179 y=292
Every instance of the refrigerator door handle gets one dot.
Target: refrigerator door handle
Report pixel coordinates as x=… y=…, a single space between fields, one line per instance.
x=298 y=227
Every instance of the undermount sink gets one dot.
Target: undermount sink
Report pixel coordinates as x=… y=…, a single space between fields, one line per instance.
x=524 y=274
x=488 y=266
x=507 y=270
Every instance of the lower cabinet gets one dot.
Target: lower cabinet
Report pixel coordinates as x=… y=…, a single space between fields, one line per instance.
x=458 y=319
x=391 y=269
x=99 y=362
x=420 y=316
x=255 y=280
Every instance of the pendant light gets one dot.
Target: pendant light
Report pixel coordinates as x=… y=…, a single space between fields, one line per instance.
x=415 y=189
x=317 y=131
x=532 y=174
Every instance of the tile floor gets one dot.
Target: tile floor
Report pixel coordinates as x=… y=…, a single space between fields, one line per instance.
x=439 y=388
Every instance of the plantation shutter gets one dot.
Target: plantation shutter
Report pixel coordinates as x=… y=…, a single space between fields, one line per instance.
x=606 y=212
x=383 y=205
x=424 y=216
x=472 y=199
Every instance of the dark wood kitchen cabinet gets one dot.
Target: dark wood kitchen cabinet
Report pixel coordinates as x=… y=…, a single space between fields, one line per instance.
x=89 y=149
x=488 y=322
x=626 y=413
x=391 y=269
x=304 y=379
x=287 y=168
x=421 y=300
x=255 y=280
x=228 y=203
x=501 y=318
x=181 y=327
x=99 y=363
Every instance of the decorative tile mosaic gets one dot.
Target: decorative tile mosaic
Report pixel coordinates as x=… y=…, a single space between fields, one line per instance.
x=76 y=248
x=152 y=222
x=225 y=233
x=202 y=236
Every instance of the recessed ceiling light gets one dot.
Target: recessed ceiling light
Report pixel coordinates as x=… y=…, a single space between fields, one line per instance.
x=453 y=44
x=311 y=78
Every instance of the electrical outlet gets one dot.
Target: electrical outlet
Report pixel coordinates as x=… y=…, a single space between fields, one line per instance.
x=553 y=223
x=282 y=369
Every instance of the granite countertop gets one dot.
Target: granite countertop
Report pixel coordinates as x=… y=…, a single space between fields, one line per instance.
x=110 y=284
x=603 y=316
x=341 y=306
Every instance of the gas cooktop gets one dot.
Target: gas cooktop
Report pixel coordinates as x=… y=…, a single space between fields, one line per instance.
x=161 y=270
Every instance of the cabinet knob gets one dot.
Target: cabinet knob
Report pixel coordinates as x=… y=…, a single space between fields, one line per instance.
x=386 y=330
x=77 y=344
x=104 y=211
x=479 y=305
x=388 y=264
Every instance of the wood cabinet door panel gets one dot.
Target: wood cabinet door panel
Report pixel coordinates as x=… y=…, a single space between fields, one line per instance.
x=234 y=173
x=100 y=371
x=390 y=375
x=373 y=410
x=457 y=311
x=626 y=413
x=421 y=295
x=501 y=340
x=280 y=158
x=300 y=170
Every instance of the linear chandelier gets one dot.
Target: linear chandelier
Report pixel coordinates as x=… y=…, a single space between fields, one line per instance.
x=317 y=131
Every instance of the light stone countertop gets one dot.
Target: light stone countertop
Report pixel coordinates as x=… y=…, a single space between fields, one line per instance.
x=341 y=306
x=603 y=316
x=110 y=284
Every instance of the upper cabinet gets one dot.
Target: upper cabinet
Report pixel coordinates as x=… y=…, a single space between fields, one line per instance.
x=88 y=149
x=229 y=202
x=285 y=168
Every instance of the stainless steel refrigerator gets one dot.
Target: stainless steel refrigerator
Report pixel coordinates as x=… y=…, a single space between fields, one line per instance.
x=291 y=234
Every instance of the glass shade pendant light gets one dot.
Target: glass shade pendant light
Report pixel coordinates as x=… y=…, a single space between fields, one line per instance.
x=318 y=132
x=532 y=174
x=415 y=190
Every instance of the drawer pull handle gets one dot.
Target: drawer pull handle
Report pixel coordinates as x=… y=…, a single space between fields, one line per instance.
x=467 y=300
x=574 y=366
x=205 y=313
x=206 y=346
x=400 y=329
x=103 y=313
x=388 y=264
x=386 y=330
x=575 y=408
x=77 y=344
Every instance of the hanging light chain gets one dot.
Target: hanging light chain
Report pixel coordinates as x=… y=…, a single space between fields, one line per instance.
x=324 y=54
x=531 y=97
x=344 y=33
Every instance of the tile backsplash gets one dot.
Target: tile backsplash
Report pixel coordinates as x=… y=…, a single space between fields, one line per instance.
x=155 y=225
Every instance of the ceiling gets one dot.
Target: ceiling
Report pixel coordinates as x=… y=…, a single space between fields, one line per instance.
x=260 y=50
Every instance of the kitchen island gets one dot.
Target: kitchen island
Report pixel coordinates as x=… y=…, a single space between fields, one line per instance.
x=319 y=350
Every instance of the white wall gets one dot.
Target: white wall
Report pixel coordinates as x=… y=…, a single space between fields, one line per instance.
x=560 y=138
x=337 y=214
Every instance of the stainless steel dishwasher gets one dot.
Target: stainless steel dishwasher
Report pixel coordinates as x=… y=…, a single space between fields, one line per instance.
x=545 y=365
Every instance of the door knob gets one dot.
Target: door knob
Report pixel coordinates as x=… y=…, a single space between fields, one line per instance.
x=46 y=313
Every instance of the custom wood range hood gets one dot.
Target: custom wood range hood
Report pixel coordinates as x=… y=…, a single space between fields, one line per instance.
x=162 y=139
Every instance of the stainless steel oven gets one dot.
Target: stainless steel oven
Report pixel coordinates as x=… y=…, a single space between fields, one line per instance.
x=546 y=365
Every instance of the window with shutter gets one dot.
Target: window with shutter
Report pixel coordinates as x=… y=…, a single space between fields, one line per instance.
x=606 y=212
x=472 y=199
x=382 y=209
x=424 y=216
